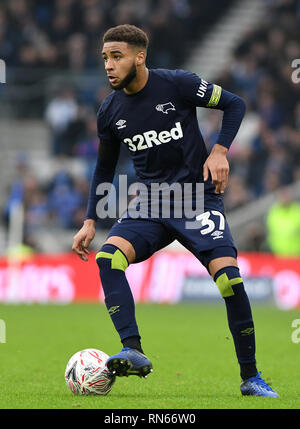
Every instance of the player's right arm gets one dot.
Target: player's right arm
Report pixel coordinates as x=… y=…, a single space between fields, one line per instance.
x=107 y=159
x=108 y=155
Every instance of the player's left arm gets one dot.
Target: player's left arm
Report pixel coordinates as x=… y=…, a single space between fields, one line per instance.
x=234 y=109
x=197 y=91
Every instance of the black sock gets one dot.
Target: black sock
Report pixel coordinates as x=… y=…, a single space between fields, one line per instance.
x=133 y=343
x=242 y=329
x=239 y=317
x=248 y=370
x=118 y=296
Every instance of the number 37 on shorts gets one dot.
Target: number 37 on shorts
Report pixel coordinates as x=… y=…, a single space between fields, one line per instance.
x=210 y=223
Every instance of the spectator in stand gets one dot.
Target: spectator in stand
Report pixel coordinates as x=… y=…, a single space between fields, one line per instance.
x=87 y=147
x=75 y=131
x=283 y=225
x=36 y=211
x=64 y=200
x=59 y=113
x=16 y=193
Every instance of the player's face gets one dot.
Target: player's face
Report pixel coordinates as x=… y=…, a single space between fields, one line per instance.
x=120 y=64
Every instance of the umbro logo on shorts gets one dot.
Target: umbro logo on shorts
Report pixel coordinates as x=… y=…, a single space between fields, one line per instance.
x=217 y=234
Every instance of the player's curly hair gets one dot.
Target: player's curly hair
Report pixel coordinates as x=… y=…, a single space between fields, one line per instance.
x=127 y=33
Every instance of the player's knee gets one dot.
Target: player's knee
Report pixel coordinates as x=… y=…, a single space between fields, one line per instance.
x=111 y=257
x=124 y=245
x=227 y=279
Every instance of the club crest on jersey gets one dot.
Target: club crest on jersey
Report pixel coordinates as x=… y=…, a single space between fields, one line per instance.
x=164 y=108
x=121 y=124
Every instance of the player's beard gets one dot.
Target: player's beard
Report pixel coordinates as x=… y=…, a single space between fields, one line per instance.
x=127 y=79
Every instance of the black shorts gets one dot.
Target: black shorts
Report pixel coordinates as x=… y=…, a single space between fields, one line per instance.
x=210 y=238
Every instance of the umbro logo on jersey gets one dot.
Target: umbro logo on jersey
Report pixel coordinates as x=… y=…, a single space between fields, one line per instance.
x=121 y=124
x=164 y=108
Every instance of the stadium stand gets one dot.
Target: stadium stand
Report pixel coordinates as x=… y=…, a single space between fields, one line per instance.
x=262 y=75
x=42 y=40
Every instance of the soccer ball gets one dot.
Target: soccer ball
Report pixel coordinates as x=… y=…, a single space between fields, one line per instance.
x=87 y=374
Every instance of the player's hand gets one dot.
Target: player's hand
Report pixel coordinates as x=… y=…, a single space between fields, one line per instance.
x=218 y=167
x=83 y=238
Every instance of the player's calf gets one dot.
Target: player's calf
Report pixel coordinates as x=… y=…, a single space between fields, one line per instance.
x=241 y=325
x=239 y=317
x=118 y=297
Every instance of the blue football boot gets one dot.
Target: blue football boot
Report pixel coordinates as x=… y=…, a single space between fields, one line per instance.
x=129 y=362
x=256 y=386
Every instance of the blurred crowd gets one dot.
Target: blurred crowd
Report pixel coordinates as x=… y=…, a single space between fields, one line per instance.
x=266 y=154
x=46 y=41
x=61 y=201
x=67 y=33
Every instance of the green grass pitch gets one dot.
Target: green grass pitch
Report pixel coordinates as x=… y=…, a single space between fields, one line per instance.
x=190 y=347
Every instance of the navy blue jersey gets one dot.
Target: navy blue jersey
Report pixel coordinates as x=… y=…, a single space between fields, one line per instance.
x=159 y=127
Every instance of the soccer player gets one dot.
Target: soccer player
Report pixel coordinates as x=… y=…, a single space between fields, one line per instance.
x=153 y=113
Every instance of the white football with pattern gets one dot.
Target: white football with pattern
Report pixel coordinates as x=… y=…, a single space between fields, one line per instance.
x=87 y=374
